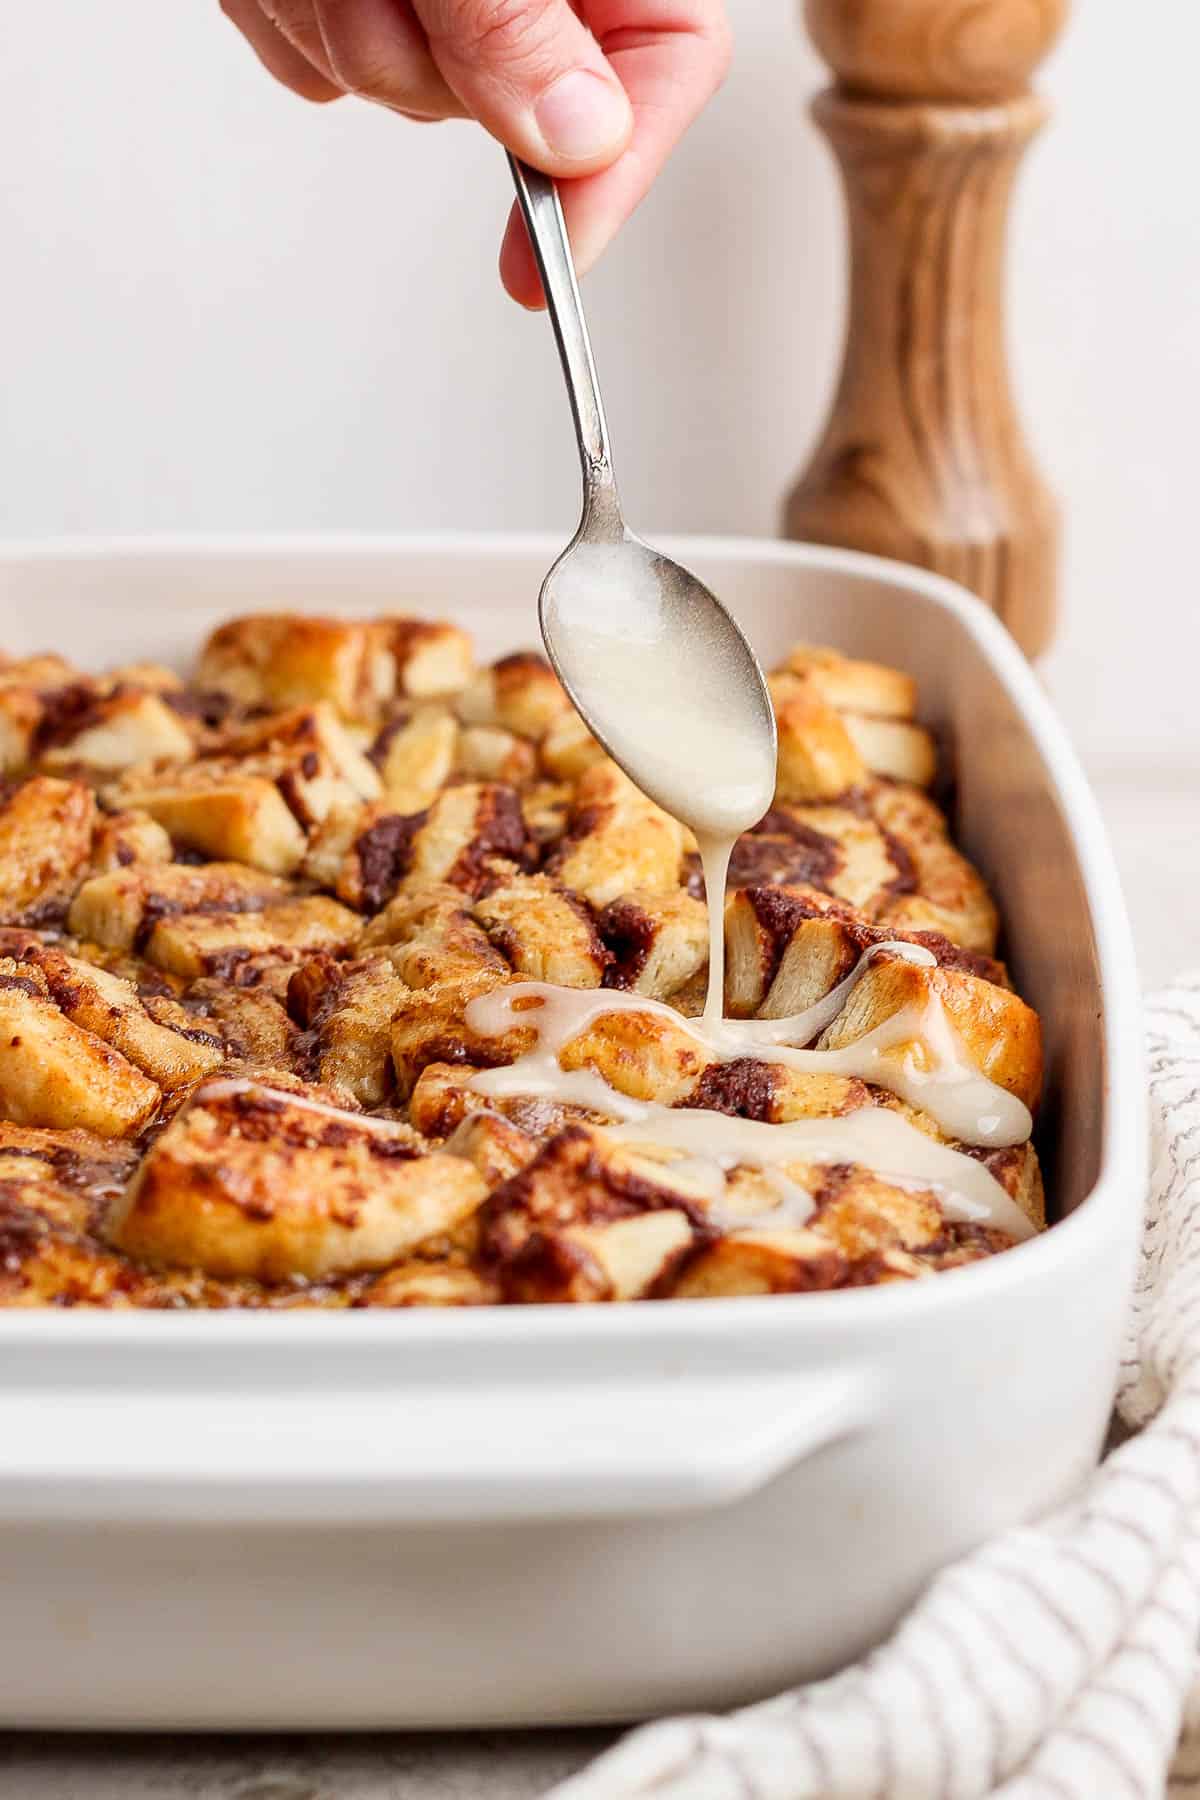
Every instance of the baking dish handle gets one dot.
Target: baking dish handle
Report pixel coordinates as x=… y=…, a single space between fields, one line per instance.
x=516 y=1451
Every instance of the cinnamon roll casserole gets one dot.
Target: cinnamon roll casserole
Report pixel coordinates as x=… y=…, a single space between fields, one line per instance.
x=346 y=973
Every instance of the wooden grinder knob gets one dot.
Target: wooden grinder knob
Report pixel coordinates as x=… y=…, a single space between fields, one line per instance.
x=923 y=457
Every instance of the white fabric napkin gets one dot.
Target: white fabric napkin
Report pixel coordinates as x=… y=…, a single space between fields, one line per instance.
x=1058 y=1662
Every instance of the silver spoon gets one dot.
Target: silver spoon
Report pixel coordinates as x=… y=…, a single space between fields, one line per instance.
x=659 y=670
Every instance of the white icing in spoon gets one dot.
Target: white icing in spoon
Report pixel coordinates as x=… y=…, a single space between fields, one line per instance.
x=668 y=684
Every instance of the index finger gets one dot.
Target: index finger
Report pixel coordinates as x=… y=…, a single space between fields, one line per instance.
x=671 y=59
x=278 y=55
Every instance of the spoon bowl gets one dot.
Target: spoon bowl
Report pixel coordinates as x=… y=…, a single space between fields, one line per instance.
x=664 y=678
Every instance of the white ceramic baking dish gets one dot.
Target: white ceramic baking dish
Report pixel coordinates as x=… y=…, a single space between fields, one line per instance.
x=516 y=1515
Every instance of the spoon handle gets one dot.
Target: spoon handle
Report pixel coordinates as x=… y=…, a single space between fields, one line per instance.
x=543 y=215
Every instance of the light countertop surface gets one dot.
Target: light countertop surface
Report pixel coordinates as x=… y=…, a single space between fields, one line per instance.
x=1153 y=814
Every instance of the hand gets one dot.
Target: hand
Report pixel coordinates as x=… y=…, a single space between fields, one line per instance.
x=598 y=100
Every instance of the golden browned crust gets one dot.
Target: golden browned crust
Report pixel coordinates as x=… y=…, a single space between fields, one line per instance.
x=243 y=919
x=46 y=829
x=289 y=1188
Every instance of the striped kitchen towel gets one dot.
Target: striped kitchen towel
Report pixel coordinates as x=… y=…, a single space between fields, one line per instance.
x=1059 y=1662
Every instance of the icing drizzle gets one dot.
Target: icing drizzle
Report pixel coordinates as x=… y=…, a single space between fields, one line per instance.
x=916 y=1054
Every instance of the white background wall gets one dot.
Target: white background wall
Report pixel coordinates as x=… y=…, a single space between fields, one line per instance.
x=224 y=309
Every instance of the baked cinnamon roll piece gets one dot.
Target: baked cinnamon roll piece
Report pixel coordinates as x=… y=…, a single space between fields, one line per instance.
x=840 y=721
x=617 y=840
x=107 y=732
x=57 y=1073
x=584 y=1222
x=285 y=659
x=121 y=907
x=469 y=834
x=218 y=809
x=519 y=693
x=658 y=941
x=28 y=689
x=220 y=943
x=415 y=753
x=46 y=830
x=251 y=1181
x=567 y=747
x=124 y=838
x=946 y=893
x=431 y=1026
x=786 y=947
x=157 y=1035
x=431 y=934
x=346 y=1011
x=490 y=753
x=544 y=932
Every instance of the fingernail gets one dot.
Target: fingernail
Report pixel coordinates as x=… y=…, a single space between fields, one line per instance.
x=582 y=115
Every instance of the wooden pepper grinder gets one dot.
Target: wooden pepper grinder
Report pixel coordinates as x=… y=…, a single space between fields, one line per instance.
x=923 y=457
